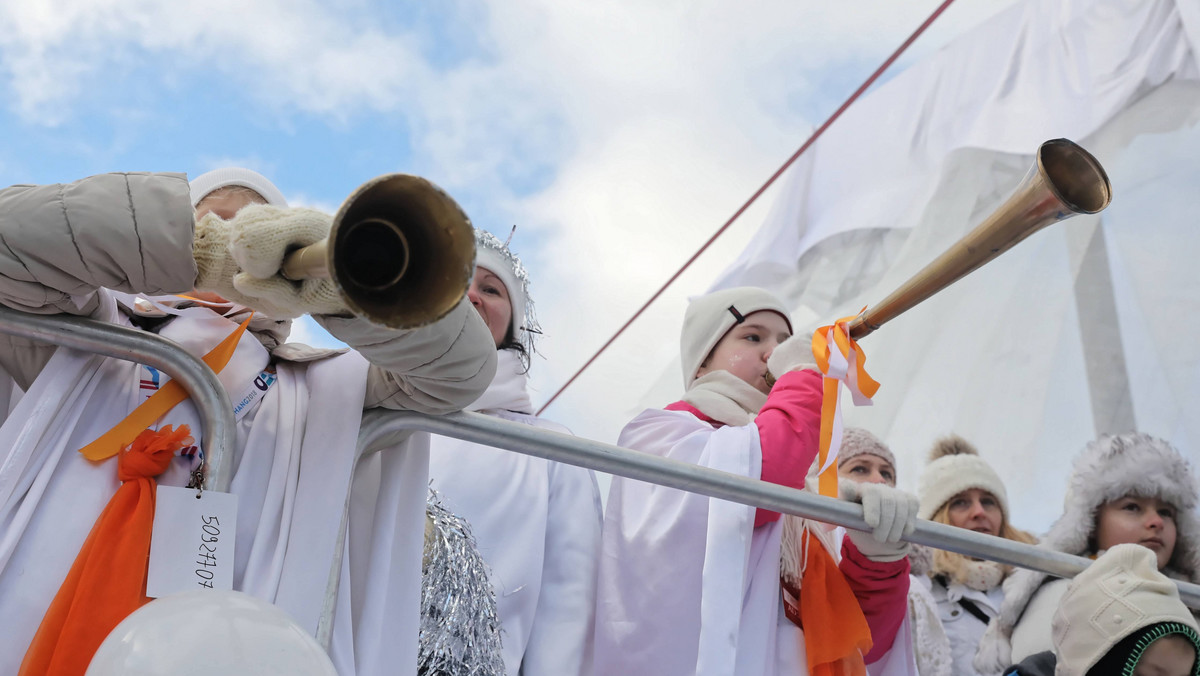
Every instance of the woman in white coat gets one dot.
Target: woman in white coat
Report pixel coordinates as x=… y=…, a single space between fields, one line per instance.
x=1128 y=488
x=960 y=489
x=536 y=522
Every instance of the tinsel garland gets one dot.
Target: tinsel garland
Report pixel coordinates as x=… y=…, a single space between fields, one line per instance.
x=460 y=629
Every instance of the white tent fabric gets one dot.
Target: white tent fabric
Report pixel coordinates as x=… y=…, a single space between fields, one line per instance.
x=1090 y=326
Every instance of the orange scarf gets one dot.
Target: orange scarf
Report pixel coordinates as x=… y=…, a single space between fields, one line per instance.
x=836 y=635
x=107 y=582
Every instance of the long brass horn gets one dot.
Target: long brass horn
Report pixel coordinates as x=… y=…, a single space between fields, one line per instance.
x=401 y=252
x=1065 y=181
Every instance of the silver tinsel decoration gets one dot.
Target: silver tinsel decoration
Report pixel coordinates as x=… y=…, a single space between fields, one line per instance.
x=460 y=629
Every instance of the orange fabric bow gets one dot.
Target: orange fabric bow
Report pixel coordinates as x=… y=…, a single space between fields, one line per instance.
x=107 y=582
x=846 y=364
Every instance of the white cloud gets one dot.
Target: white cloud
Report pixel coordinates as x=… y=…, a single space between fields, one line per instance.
x=652 y=122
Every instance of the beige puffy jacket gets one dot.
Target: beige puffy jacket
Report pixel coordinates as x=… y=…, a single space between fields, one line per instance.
x=132 y=232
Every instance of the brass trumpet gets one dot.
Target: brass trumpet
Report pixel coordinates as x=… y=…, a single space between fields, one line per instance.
x=401 y=252
x=1065 y=181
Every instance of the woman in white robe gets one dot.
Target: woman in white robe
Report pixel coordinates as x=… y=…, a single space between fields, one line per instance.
x=537 y=522
x=692 y=585
x=108 y=247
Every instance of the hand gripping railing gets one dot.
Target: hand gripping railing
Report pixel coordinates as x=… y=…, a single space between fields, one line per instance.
x=381 y=429
x=90 y=335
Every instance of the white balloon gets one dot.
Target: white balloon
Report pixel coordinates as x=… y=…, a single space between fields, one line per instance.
x=201 y=633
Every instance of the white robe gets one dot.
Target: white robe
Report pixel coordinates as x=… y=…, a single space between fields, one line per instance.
x=288 y=510
x=687 y=584
x=537 y=525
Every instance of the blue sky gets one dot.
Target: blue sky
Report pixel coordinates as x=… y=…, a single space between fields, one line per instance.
x=617 y=136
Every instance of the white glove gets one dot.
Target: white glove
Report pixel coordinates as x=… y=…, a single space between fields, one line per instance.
x=793 y=354
x=890 y=512
x=240 y=259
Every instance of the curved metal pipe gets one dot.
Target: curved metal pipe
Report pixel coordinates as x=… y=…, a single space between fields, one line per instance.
x=90 y=335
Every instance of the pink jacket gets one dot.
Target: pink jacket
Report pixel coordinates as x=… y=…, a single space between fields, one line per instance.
x=789 y=426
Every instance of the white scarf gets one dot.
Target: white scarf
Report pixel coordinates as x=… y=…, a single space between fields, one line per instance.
x=508 y=390
x=725 y=398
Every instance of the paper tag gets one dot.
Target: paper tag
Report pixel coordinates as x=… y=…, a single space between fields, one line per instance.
x=192 y=543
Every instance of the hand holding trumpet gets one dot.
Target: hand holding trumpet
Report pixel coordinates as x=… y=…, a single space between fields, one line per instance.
x=400 y=252
x=240 y=259
x=793 y=354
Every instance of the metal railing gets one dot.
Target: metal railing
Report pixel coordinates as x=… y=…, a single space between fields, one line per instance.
x=90 y=335
x=381 y=429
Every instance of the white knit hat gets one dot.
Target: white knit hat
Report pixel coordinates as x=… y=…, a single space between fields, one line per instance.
x=216 y=179
x=494 y=256
x=954 y=467
x=857 y=441
x=1119 y=595
x=710 y=317
x=1109 y=468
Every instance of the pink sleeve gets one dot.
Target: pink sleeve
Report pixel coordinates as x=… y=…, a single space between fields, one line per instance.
x=882 y=592
x=789 y=428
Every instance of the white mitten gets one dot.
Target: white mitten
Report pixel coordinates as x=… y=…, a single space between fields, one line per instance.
x=240 y=259
x=261 y=235
x=793 y=354
x=284 y=299
x=214 y=262
x=890 y=512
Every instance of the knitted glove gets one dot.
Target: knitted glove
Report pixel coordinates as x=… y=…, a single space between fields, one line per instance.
x=793 y=354
x=240 y=259
x=890 y=512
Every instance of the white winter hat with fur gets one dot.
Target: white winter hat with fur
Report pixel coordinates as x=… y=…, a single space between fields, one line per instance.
x=710 y=317
x=1119 y=595
x=1109 y=468
x=954 y=467
x=1140 y=465
x=206 y=183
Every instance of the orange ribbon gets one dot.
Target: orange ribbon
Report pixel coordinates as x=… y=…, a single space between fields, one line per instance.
x=142 y=417
x=107 y=582
x=845 y=365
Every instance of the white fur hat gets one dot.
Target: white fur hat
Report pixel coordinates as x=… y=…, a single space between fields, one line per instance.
x=857 y=441
x=494 y=256
x=954 y=467
x=1121 y=594
x=216 y=179
x=1109 y=468
x=709 y=318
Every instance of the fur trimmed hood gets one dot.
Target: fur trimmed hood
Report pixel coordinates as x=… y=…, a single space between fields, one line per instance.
x=1109 y=468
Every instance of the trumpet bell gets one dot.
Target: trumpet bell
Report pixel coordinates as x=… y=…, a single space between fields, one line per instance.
x=401 y=251
x=1065 y=181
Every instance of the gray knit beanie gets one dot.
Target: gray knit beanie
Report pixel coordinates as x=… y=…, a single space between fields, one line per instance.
x=856 y=441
